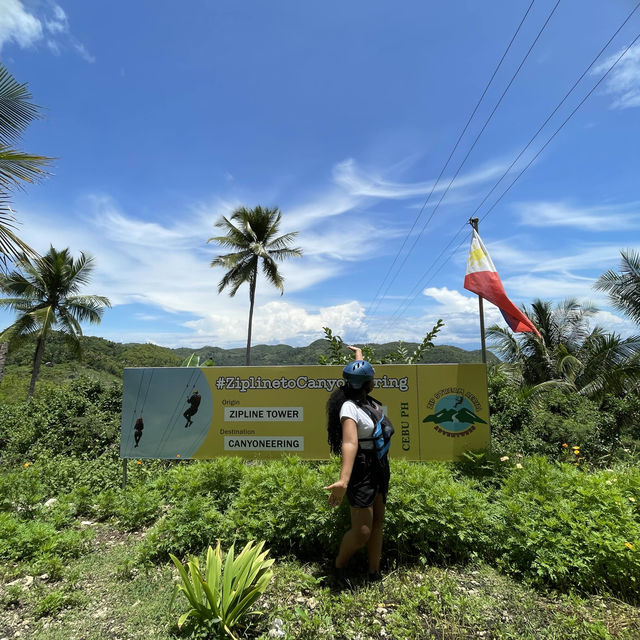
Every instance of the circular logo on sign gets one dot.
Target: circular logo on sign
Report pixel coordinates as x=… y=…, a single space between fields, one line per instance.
x=454 y=414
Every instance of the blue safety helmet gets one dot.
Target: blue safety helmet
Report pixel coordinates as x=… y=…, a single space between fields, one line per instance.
x=358 y=373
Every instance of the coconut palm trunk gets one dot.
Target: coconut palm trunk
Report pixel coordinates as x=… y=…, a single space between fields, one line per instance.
x=252 y=299
x=37 y=361
x=252 y=235
x=45 y=295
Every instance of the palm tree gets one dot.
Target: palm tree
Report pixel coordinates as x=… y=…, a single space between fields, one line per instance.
x=563 y=329
x=16 y=167
x=570 y=354
x=624 y=287
x=44 y=293
x=252 y=235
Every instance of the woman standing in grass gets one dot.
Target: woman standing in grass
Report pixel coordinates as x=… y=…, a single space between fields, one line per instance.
x=364 y=477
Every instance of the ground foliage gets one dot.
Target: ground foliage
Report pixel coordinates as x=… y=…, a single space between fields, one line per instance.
x=566 y=525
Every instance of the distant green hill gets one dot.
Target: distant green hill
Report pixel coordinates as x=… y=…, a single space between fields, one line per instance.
x=107 y=359
x=282 y=354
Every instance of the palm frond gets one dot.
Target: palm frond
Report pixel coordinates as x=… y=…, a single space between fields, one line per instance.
x=624 y=288
x=87 y=308
x=17 y=167
x=270 y=270
x=504 y=343
x=16 y=109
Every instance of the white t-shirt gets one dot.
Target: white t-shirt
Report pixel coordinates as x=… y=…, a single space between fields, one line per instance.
x=363 y=422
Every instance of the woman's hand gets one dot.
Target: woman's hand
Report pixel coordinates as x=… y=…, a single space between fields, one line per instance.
x=357 y=352
x=338 y=489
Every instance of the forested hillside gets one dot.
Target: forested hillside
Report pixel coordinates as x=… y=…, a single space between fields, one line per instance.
x=109 y=357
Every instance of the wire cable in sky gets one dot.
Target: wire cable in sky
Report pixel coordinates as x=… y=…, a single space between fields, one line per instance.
x=544 y=124
x=484 y=126
x=420 y=284
x=446 y=164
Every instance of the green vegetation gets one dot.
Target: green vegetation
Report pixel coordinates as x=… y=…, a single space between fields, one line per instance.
x=511 y=544
x=252 y=236
x=624 y=287
x=571 y=355
x=222 y=593
x=45 y=293
x=16 y=167
x=338 y=355
x=105 y=360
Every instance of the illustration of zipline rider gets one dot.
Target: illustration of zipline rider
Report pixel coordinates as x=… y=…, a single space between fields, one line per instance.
x=137 y=430
x=194 y=403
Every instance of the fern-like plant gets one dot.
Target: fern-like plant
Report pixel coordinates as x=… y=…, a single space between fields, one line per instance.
x=223 y=593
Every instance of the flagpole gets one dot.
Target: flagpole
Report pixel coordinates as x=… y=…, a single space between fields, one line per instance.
x=474 y=223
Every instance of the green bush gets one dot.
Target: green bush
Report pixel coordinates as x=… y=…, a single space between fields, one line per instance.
x=26 y=539
x=22 y=491
x=219 y=479
x=540 y=424
x=80 y=419
x=189 y=527
x=284 y=503
x=557 y=525
x=137 y=507
x=432 y=515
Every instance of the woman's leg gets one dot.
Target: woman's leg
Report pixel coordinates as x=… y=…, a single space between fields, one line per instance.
x=357 y=536
x=374 y=545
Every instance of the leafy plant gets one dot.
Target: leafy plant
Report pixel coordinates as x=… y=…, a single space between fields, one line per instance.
x=338 y=356
x=401 y=355
x=187 y=528
x=222 y=594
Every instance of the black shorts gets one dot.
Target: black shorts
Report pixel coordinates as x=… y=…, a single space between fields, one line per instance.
x=369 y=477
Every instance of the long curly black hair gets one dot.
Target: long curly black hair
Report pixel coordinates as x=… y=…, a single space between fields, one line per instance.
x=334 y=404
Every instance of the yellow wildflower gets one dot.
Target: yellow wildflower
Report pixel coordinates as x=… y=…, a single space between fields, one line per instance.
x=518 y=466
x=504 y=458
x=628 y=545
x=575 y=447
x=577 y=452
x=26 y=465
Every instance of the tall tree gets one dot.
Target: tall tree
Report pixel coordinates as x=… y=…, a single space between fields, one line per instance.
x=45 y=293
x=16 y=167
x=624 y=287
x=571 y=354
x=252 y=235
x=563 y=329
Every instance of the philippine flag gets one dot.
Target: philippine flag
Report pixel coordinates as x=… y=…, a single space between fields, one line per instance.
x=482 y=278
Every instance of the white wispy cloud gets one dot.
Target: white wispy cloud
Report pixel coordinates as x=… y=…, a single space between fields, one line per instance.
x=164 y=264
x=623 y=83
x=356 y=181
x=28 y=25
x=522 y=253
x=18 y=25
x=617 y=217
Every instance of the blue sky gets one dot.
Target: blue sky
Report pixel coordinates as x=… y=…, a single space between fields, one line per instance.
x=164 y=117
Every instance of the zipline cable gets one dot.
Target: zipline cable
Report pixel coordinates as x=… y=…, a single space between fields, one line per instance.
x=535 y=157
x=446 y=164
x=544 y=124
x=486 y=123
